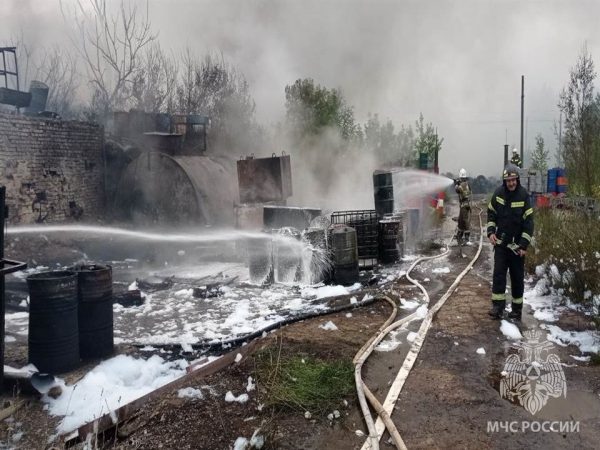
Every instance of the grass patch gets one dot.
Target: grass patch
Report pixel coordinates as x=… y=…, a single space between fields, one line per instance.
x=304 y=383
x=570 y=241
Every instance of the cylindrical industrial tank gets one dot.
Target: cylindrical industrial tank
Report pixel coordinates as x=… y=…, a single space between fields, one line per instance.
x=345 y=255
x=391 y=238
x=260 y=259
x=383 y=188
x=157 y=188
x=95 y=310
x=39 y=97
x=53 y=323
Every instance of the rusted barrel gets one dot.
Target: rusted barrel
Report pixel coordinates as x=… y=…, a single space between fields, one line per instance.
x=391 y=238
x=53 y=324
x=345 y=255
x=95 y=311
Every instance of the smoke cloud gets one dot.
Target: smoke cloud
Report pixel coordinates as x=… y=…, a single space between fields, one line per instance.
x=459 y=63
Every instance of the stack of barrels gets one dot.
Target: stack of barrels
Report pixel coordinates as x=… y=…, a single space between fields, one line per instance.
x=70 y=317
x=391 y=237
x=557 y=181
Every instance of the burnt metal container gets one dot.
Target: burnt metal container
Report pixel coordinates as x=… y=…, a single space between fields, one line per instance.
x=383 y=189
x=365 y=223
x=344 y=254
x=391 y=238
x=95 y=296
x=288 y=216
x=53 y=321
x=39 y=97
x=13 y=97
x=264 y=179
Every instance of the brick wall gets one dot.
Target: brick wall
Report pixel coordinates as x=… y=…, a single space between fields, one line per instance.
x=53 y=170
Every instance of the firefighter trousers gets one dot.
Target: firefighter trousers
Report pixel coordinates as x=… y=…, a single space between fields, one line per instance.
x=506 y=260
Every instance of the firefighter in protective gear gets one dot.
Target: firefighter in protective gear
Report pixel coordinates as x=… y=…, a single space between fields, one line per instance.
x=509 y=229
x=516 y=159
x=463 y=189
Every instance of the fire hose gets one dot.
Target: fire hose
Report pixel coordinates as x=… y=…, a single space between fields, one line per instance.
x=384 y=411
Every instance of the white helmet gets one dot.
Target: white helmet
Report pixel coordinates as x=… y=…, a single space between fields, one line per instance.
x=515 y=150
x=462 y=173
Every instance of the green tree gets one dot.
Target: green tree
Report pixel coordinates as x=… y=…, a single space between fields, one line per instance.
x=213 y=87
x=389 y=147
x=427 y=140
x=311 y=109
x=539 y=157
x=581 y=146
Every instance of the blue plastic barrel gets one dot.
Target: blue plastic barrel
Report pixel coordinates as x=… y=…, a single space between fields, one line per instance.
x=561 y=189
x=552 y=175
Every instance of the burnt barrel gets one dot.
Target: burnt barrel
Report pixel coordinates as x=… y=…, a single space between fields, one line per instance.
x=53 y=325
x=345 y=255
x=95 y=310
x=391 y=238
x=383 y=189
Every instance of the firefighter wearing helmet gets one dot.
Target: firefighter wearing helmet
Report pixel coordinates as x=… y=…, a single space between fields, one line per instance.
x=510 y=230
x=463 y=189
x=516 y=159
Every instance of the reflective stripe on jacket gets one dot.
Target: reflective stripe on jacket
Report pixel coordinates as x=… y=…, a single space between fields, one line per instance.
x=510 y=216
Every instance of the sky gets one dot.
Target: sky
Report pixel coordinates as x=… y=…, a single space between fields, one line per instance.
x=457 y=62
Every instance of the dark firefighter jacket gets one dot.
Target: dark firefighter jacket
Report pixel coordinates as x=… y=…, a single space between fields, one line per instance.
x=516 y=160
x=510 y=216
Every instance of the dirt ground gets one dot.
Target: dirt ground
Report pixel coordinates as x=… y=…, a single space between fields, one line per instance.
x=447 y=401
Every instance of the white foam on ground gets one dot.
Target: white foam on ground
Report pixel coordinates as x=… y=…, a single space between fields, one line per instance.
x=586 y=341
x=510 y=330
x=110 y=385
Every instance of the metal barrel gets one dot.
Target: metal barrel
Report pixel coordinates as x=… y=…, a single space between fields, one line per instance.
x=95 y=311
x=53 y=324
x=383 y=190
x=345 y=255
x=260 y=259
x=391 y=238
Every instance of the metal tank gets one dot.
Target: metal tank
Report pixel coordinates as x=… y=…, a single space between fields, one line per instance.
x=159 y=188
x=383 y=189
x=39 y=97
x=391 y=238
x=53 y=340
x=345 y=255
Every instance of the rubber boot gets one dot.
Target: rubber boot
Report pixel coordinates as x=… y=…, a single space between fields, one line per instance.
x=459 y=237
x=497 y=311
x=516 y=312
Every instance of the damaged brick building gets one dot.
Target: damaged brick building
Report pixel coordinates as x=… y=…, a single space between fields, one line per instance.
x=53 y=170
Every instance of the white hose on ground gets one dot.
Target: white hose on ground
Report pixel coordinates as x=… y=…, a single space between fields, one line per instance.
x=360 y=386
x=384 y=420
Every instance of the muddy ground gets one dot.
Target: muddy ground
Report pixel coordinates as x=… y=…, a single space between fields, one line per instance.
x=447 y=401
